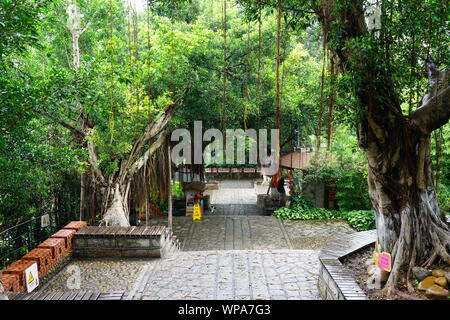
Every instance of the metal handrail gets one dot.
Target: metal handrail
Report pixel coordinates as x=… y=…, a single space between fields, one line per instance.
x=25 y=235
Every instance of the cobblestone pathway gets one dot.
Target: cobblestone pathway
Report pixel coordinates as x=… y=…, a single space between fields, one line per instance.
x=253 y=233
x=236 y=255
x=232 y=275
x=206 y=275
x=236 y=233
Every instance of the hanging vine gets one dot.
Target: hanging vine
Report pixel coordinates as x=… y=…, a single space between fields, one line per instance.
x=111 y=71
x=225 y=68
x=278 y=64
x=332 y=99
x=149 y=48
x=259 y=54
x=322 y=89
x=285 y=37
x=136 y=70
x=326 y=27
x=246 y=84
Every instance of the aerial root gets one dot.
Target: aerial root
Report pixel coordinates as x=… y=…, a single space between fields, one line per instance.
x=430 y=260
x=391 y=285
x=440 y=243
x=409 y=273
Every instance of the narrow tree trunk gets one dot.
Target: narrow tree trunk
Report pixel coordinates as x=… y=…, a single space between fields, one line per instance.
x=76 y=49
x=332 y=99
x=82 y=194
x=259 y=52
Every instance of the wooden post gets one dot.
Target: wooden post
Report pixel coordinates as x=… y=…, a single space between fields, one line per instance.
x=169 y=218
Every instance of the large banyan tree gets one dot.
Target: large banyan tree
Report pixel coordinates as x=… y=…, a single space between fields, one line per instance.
x=389 y=52
x=114 y=192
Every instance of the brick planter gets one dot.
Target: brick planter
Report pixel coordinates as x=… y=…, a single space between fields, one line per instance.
x=76 y=225
x=43 y=258
x=335 y=283
x=57 y=247
x=67 y=235
x=9 y=282
x=18 y=269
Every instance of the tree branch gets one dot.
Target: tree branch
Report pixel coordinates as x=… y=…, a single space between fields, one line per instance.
x=66 y=125
x=154 y=146
x=434 y=114
x=16 y=119
x=153 y=129
x=85 y=28
x=93 y=161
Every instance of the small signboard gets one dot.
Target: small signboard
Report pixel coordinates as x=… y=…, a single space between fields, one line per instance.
x=32 y=277
x=384 y=261
x=45 y=221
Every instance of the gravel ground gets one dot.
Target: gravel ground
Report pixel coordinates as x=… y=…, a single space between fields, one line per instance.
x=314 y=234
x=103 y=275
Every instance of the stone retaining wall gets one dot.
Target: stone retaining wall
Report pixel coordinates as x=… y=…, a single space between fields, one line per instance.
x=116 y=246
x=334 y=282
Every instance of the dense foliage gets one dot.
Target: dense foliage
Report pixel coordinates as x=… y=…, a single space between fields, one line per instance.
x=134 y=63
x=360 y=220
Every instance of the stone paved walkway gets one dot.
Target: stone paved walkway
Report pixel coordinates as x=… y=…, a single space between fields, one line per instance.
x=207 y=275
x=253 y=233
x=233 y=275
x=234 y=253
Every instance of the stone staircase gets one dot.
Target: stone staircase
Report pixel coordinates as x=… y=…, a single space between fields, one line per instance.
x=171 y=244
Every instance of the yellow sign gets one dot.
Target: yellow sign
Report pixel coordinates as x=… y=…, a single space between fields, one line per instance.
x=30 y=278
x=197 y=213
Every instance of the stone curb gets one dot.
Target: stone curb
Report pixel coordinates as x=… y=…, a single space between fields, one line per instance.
x=334 y=282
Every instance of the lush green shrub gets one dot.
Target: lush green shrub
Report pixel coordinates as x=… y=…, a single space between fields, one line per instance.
x=359 y=220
x=298 y=213
x=300 y=201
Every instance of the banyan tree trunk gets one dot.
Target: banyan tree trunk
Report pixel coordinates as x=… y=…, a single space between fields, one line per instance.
x=116 y=215
x=410 y=224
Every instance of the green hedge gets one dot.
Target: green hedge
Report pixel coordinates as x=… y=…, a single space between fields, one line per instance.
x=359 y=220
